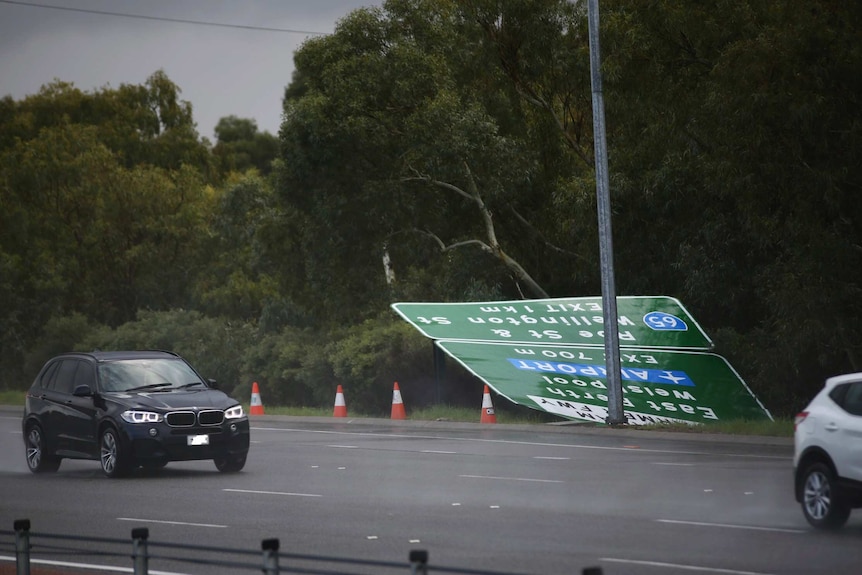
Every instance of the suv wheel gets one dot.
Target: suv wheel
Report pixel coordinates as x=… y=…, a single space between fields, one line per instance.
x=111 y=453
x=821 y=503
x=230 y=463
x=38 y=459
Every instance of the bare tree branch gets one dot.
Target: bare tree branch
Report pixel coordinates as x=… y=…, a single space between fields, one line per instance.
x=492 y=246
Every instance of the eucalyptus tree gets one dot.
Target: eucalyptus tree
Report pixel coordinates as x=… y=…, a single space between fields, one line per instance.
x=736 y=129
x=102 y=205
x=240 y=146
x=733 y=131
x=428 y=125
x=145 y=123
x=402 y=139
x=237 y=282
x=94 y=236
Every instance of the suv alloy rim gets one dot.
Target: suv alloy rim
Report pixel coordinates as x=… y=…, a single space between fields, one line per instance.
x=817 y=495
x=34 y=448
x=109 y=452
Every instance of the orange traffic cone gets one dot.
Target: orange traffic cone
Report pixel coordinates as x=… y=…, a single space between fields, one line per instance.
x=340 y=407
x=256 y=404
x=488 y=415
x=397 y=404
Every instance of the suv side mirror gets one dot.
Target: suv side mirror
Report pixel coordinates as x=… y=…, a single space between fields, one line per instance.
x=82 y=391
x=212 y=383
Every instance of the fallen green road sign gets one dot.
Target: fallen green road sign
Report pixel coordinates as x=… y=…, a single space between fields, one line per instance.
x=644 y=321
x=659 y=386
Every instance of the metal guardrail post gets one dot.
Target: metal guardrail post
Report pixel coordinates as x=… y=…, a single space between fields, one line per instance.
x=22 y=546
x=140 y=557
x=418 y=562
x=270 y=556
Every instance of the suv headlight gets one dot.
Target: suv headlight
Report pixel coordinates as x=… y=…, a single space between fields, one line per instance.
x=234 y=412
x=135 y=416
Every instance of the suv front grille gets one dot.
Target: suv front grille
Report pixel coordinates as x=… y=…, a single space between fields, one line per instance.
x=189 y=418
x=180 y=418
x=211 y=417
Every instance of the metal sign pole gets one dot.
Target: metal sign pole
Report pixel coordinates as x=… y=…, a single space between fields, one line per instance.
x=606 y=251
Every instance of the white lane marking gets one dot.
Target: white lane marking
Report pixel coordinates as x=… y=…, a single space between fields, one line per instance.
x=681 y=567
x=171 y=522
x=673 y=464
x=256 y=492
x=730 y=526
x=344 y=446
x=439 y=452
x=511 y=442
x=553 y=458
x=89 y=566
x=512 y=478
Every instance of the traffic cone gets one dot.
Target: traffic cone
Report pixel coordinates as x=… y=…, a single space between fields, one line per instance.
x=488 y=415
x=256 y=404
x=397 y=404
x=340 y=407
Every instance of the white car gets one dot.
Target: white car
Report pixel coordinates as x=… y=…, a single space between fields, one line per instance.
x=827 y=456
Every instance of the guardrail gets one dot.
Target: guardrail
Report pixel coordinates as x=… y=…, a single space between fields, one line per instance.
x=268 y=560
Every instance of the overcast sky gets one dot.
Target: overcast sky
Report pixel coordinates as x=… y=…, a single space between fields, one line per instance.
x=222 y=71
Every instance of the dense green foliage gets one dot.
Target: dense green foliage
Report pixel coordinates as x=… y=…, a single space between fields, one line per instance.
x=443 y=151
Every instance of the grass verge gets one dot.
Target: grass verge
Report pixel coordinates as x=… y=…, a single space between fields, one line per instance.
x=777 y=428
x=12 y=398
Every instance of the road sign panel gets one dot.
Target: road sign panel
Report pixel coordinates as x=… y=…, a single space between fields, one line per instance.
x=644 y=321
x=571 y=381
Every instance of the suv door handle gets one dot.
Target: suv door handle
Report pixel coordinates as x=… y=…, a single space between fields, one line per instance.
x=831 y=426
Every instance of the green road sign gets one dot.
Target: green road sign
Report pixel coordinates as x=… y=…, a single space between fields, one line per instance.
x=570 y=381
x=644 y=321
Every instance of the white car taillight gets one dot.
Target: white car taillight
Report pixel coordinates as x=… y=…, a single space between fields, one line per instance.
x=800 y=417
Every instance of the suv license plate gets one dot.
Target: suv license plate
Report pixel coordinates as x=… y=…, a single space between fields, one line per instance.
x=199 y=439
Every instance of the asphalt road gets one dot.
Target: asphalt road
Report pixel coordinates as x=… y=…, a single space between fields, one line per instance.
x=513 y=499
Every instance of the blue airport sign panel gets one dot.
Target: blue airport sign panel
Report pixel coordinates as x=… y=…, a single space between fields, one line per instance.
x=659 y=386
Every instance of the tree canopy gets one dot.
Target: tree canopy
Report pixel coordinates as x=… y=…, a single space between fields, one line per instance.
x=732 y=132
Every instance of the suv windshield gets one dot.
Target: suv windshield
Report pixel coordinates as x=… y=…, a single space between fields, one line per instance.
x=138 y=374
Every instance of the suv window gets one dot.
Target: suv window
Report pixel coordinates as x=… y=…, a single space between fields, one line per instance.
x=45 y=381
x=838 y=392
x=85 y=375
x=64 y=377
x=853 y=399
x=849 y=397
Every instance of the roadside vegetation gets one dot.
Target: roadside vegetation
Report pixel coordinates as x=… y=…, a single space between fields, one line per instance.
x=12 y=397
x=443 y=151
x=508 y=415
x=777 y=428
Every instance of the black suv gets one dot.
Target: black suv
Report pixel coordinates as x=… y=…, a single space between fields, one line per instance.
x=130 y=409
